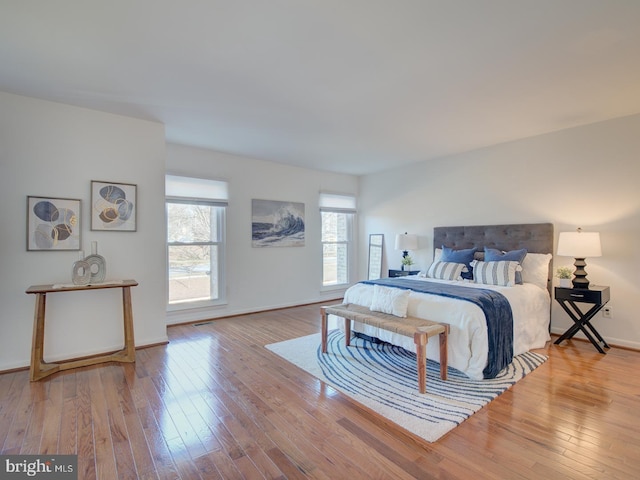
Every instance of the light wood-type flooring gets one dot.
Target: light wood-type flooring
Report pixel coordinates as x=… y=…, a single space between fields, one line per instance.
x=214 y=403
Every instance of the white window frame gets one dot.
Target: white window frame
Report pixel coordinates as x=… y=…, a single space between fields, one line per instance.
x=340 y=204
x=183 y=185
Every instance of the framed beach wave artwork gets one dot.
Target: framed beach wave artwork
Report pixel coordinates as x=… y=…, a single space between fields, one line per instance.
x=277 y=224
x=113 y=206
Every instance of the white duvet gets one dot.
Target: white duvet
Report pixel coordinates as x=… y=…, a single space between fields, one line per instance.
x=468 y=345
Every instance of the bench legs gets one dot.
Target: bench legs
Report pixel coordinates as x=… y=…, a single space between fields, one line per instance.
x=419 y=338
x=347 y=331
x=325 y=330
x=444 y=359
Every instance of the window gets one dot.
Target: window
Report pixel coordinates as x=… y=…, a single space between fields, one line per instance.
x=337 y=213
x=195 y=241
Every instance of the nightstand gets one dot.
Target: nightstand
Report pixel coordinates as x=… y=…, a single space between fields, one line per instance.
x=402 y=273
x=597 y=296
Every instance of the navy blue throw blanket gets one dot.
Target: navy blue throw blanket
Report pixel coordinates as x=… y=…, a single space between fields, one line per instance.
x=495 y=306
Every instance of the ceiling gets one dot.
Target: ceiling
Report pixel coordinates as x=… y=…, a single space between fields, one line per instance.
x=349 y=86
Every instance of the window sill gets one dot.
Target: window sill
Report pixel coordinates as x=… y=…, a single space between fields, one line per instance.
x=195 y=305
x=192 y=312
x=335 y=288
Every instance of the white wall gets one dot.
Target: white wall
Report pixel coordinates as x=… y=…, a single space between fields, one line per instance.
x=54 y=150
x=580 y=177
x=585 y=176
x=263 y=278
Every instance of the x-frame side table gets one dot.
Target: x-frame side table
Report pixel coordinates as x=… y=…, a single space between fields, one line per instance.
x=597 y=296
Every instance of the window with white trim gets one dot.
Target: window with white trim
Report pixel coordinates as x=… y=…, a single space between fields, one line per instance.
x=196 y=217
x=338 y=217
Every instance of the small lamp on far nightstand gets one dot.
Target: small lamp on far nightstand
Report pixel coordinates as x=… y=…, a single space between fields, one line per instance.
x=579 y=245
x=406 y=242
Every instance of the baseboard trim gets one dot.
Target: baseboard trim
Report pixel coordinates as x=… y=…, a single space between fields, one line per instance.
x=258 y=310
x=611 y=343
x=138 y=347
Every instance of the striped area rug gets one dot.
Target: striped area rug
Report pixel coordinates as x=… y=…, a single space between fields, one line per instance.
x=384 y=378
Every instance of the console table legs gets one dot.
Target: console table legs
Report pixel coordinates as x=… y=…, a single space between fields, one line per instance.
x=129 y=351
x=40 y=369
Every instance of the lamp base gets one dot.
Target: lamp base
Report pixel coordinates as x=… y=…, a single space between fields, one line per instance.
x=580 y=275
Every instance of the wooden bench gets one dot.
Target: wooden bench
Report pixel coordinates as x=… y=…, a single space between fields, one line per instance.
x=417 y=328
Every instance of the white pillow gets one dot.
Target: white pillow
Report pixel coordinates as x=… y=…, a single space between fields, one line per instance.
x=535 y=269
x=446 y=270
x=501 y=273
x=436 y=257
x=390 y=300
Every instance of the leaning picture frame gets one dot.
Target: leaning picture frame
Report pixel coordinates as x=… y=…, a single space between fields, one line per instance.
x=114 y=206
x=53 y=223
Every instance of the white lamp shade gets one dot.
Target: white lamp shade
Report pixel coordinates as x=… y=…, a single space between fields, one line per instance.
x=406 y=241
x=579 y=244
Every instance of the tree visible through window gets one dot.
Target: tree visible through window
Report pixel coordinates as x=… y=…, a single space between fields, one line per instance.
x=196 y=210
x=194 y=243
x=336 y=236
x=338 y=216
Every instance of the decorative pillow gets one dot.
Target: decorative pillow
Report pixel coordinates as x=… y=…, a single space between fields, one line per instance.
x=535 y=269
x=446 y=270
x=436 y=257
x=460 y=256
x=390 y=300
x=495 y=255
x=496 y=273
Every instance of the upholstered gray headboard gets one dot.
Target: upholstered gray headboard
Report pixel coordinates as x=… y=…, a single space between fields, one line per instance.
x=535 y=237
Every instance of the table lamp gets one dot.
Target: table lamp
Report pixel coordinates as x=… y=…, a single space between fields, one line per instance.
x=579 y=245
x=406 y=242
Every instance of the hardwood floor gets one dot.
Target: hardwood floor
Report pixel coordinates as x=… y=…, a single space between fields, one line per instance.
x=214 y=403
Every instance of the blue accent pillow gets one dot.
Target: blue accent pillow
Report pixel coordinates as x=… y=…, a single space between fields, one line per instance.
x=460 y=256
x=495 y=255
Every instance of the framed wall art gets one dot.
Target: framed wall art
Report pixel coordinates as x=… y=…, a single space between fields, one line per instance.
x=277 y=224
x=113 y=206
x=53 y=223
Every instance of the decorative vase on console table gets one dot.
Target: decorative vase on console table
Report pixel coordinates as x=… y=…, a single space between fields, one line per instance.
x=80 y=272
x=97 y=265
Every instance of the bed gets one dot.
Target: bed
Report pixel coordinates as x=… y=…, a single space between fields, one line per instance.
x=473 y=348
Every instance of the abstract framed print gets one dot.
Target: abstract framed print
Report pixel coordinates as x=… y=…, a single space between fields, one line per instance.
x=113 y=206
x=53 y=223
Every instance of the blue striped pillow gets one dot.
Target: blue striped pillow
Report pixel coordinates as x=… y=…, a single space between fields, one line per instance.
x=494 y=255
x=460 y=256
x=446 y=270
x=496 y=273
